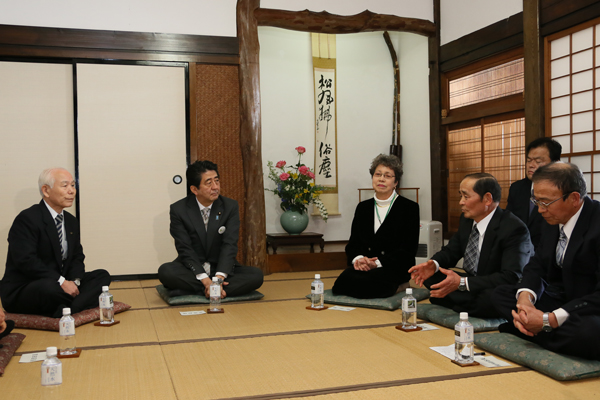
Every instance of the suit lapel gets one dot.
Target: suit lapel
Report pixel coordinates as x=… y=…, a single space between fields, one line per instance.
x=576 y=239
x=489 y=239
x=52 y=233
x=213 y=223
x=193 y=211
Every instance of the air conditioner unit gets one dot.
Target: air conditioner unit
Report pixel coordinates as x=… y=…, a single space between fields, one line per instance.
x=430 y=240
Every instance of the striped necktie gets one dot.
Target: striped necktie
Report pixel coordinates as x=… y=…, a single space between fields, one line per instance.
x=59 y=223
x=472 y=252
x=560 y=247
x=205 y=215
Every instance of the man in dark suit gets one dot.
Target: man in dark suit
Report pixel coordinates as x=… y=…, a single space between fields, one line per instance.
x=44 y=266
x=538 y=153
x=205 y=227
x=494 y=243
x=557 y=304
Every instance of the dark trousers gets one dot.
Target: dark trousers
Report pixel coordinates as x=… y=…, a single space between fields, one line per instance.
x=46 y=297
x=376 y=283
x=477 y=304
x=578 y=336
x=174 y=275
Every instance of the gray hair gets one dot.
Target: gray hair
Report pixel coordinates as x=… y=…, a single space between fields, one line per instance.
x=390 y=161
x=47 y=178
x=566 y=177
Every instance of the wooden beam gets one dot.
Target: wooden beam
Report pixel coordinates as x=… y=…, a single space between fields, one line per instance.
x=533 y=58
x=250 y=136
x=324 y=22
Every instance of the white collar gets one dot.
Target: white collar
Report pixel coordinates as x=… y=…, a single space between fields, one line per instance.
x=52 y=211
x=386 y=202
x=483 y=224
x=202 y=207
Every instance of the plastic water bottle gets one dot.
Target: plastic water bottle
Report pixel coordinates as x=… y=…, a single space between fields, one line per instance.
x=51 y=368
x=107 y=311
x=67 y=333
x=317 y=299
x=215 y=295
x=409 y=310
x=463 y=340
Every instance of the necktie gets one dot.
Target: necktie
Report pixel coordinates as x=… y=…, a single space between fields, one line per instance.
x=472 y=252
x=560 y=247
x=205 y=214
x=59 y=222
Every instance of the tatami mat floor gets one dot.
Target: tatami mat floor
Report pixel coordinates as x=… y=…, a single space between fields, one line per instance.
x=272 y=348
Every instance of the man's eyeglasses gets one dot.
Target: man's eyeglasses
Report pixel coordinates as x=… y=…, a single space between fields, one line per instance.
x=546 y=205
x=386 y=176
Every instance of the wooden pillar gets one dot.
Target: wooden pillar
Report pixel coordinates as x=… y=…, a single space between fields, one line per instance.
x=533 y=58
x=250 y=135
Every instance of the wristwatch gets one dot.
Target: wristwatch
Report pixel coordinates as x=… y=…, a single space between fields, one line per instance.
x=546 y=323
x=463 y=284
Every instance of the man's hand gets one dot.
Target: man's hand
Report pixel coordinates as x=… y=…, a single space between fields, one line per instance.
x=447 y=286
x=527 y=319
x=2 y=320
x=365 y=264
x=70 y=288
x=420 y=273
x=207 y=281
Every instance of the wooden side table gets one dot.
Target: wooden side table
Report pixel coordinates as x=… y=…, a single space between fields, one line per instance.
x=285 y=239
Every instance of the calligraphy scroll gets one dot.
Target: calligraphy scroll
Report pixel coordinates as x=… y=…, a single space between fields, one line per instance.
x=324 y=73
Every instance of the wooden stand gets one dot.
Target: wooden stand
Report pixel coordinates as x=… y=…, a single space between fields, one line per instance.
x=474 y=363
x=285 y=239
x=106 y=325
x=209 y=311
x=75 y=355
x=417 y=329
x=317 y=309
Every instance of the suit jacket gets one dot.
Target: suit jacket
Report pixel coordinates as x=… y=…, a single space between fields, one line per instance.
x=580 y=274
x=196 y=245
x=396 y=241
x=34 y=251
x=505 y=250
x=518 y=203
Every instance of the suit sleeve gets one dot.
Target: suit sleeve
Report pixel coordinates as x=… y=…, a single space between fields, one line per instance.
x=23 y=240
x=76 y=269
x=403 y=240
x=229 y=243
x=510 y=205
x=356 y=245
x=183 y=242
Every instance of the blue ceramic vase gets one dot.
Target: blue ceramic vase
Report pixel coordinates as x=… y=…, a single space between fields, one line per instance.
x=293 y=222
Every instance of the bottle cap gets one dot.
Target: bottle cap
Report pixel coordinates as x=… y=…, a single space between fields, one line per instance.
x=215 y=279
x=105 y=288
x=66 y=311
x=317 y=276
x=464 y=315
x=51 y=351
x=409 y=291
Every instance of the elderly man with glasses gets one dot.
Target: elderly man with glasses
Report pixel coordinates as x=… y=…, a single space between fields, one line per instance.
x=557 y=303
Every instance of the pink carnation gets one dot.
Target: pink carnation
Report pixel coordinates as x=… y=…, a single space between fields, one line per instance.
x=280 y=164
x=310 y=175
x=300 y=150
x=303 y=170
x=284 y=176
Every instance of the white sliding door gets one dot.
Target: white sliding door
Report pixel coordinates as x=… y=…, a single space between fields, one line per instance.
x=36 y=132
x=131 y=141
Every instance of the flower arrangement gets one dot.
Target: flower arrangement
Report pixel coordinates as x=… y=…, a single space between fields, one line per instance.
x=295 y=186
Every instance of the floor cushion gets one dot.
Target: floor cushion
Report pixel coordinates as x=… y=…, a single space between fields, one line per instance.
x=201 y=299
x=29 y=321
x=10 y=344
x=446 y=317
x=524 y=352
x=385 y=303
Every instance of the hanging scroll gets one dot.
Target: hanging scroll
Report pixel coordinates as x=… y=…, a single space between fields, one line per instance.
x=324 y=65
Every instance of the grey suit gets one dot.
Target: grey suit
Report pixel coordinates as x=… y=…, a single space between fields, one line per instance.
x=216 y=244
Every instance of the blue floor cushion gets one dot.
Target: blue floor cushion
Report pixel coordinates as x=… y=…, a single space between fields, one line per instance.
x=448 y=318
x=201 y=299
x=386 y=303
x=524 y=352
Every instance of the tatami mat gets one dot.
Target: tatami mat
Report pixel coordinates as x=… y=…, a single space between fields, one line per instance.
x=150 y=283
x=132 y=373
x=124 y=285
x=334 y=273
x=293 y=289
x=153 y=299
x=134 y=297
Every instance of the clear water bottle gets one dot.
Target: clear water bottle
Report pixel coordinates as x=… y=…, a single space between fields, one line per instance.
x=215 y=295
x=317 y=299
x=463 y=340
x=51 y=368
x=66 y=328
x=107 y=311
x=409 y=310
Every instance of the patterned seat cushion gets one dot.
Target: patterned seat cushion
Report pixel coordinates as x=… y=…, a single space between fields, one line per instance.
x=521 y=351
x=10 y=344
x=448 y=318
x=201 y=299
x=29 y=321
x=387 y=303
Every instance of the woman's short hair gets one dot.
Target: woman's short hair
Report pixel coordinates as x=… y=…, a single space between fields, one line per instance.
x=390 y=161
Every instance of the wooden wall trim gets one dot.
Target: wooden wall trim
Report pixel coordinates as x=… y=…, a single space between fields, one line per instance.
x=564 y=14
x=25 y=41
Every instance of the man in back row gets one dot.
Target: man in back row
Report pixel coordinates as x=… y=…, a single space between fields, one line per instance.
x=494 y=243
x=205 y=227
x=44 y=266
x=538 y=153
x=557 y=303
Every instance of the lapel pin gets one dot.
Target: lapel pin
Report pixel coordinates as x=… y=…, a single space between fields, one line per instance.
x=221 y=230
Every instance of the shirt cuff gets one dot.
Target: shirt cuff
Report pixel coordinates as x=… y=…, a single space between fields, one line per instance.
x=561 y=316
x=61 y=280
x=378 y=263
x=528 y=291
x=355 y=259
x=467 y=284
x=223 y=274
x=201 y=276
x=437 y=266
